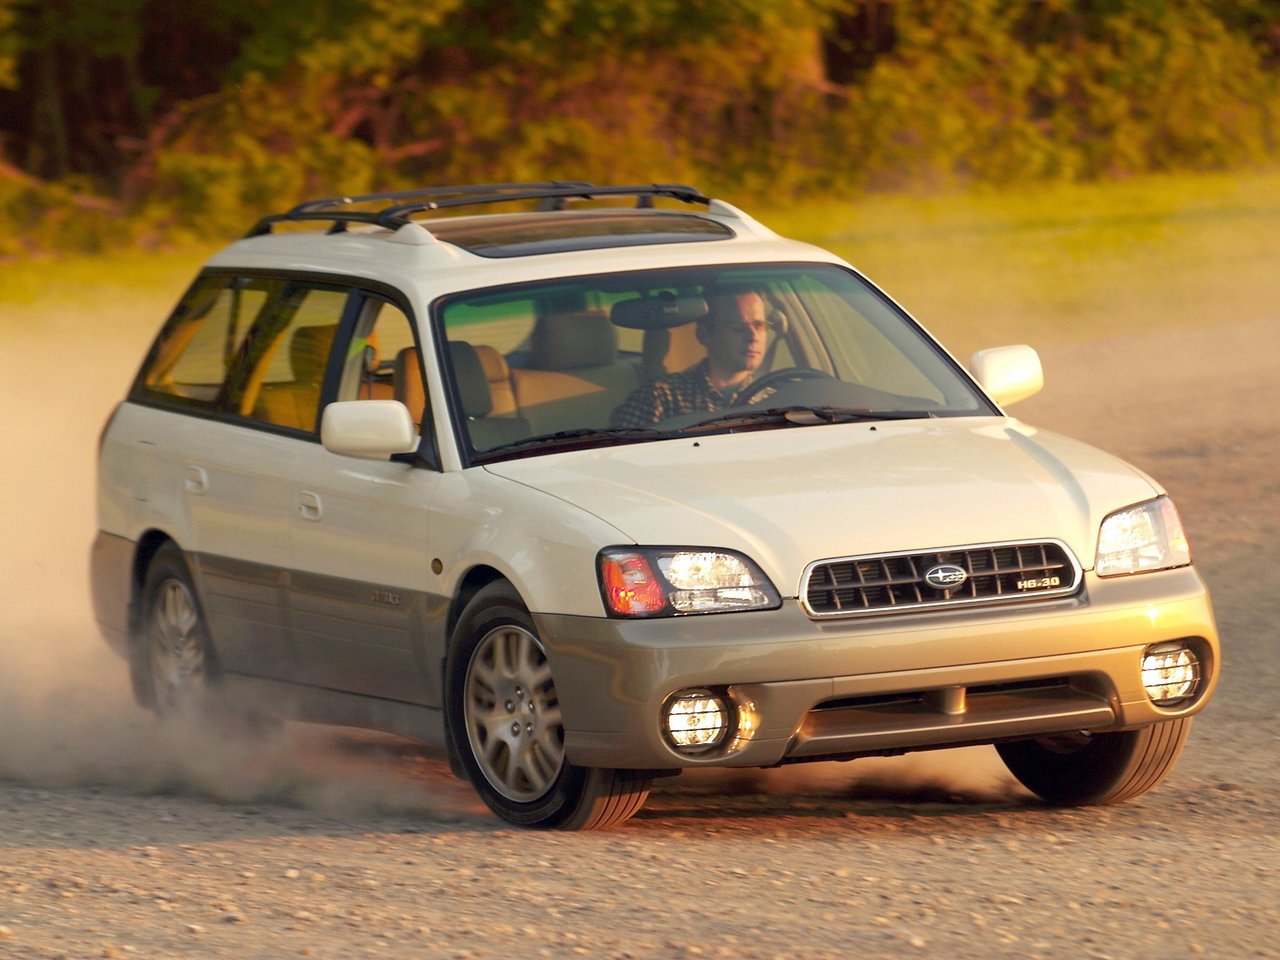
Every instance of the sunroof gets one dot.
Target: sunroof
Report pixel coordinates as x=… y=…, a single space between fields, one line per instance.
x=528 y=234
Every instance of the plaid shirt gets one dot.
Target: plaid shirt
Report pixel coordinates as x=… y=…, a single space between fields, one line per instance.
x=673 y=396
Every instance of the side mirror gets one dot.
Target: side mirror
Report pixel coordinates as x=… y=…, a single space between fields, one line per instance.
x=368 y=429
x=1008 y=374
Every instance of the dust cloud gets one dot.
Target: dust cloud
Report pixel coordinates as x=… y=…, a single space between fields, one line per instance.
x=67 y=719
x=965 y=775
x=67 y=716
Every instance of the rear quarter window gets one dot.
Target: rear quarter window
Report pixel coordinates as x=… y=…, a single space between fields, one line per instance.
x=196 y=348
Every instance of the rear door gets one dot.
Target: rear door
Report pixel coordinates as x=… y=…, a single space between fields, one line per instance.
x=275 y=395
x=237 y=376
x=221 y=481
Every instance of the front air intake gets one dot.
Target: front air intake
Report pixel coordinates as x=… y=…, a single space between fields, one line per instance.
x=925 y=580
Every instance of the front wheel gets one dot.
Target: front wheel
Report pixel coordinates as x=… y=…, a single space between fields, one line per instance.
x=1097 y=768
x=506 y=728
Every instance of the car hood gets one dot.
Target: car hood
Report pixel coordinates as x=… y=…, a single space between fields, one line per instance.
x=791 y=496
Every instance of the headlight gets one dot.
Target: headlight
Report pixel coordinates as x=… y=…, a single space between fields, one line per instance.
x=1142 y=538
x=664 y=582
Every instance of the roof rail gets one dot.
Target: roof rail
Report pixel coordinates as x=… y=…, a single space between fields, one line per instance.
x=401 y=205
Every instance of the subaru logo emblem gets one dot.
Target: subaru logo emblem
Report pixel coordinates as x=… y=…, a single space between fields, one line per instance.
x=945 y=576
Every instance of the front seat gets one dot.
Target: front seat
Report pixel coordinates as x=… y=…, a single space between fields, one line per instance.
x=485 y=432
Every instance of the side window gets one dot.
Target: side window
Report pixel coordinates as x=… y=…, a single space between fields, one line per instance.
x=202 y=340
x=287 y=356
x=382 y=361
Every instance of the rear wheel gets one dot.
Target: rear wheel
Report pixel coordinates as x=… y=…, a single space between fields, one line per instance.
x=175 y=660
x=1097 y=768
x=175 y=640
x=507 y=731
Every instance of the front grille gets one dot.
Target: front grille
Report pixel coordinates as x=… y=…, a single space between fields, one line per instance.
x=895 y=582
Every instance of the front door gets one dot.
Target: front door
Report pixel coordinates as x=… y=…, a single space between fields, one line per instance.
x=359 y=542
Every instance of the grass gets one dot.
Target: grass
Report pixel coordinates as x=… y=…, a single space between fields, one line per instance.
x=1069 y=262
x=1030 y=265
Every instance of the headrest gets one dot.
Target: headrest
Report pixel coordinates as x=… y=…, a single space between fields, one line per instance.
x=670 y=351
x=308 y=351
x=473 y=384
x=495 y=364
x=567 y=341
x=657 y=313
x=407 y=383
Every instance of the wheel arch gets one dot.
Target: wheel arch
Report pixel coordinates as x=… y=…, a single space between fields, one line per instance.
x=148 y=545
x=563 y=796
x=472 y=582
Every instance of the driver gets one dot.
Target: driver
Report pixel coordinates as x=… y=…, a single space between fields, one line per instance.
x=733 y=331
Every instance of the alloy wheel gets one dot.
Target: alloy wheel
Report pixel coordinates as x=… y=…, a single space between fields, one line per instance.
x=512 y=714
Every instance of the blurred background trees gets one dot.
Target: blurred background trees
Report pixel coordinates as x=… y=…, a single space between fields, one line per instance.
x=149 y=120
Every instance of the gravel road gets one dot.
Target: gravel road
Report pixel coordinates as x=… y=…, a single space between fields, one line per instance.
x=123 y=840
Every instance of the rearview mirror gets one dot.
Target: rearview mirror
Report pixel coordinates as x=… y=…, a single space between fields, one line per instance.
x=1008 y=374
x=368 y=429
x=660 y=312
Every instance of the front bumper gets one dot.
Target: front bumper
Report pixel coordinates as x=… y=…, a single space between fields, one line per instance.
x=840 y=688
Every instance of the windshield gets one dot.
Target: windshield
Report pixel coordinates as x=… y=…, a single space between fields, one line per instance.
x=629 y=357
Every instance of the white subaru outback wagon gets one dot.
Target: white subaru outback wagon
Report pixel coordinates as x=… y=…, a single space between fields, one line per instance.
x=623 y=483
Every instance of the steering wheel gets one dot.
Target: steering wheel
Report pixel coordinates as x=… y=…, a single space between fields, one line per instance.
x=775 y=377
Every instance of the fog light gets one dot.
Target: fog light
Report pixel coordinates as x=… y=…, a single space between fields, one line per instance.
x=696 y=720
x=1170 y=672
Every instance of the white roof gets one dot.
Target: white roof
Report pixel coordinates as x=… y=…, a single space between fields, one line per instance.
x=413 y=259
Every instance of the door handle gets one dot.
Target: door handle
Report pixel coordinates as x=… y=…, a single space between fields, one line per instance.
x=309 y=505
x=197 y=481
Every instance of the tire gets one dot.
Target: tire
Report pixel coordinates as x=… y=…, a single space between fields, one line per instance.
x=1099 y=768
x=176 y=655
x=506 y=730
x=175 y=659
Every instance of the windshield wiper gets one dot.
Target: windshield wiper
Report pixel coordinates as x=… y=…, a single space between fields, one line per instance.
x=575 y=437
x=799 y=416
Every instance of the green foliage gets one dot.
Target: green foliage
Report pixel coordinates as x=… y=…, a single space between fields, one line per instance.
x=1168 y=86
x=196 y=118
x=952 y=102
x=389 y=95
x=10 y=44
x=65 y=216
x=369 y=40
x=1001 y=91
x=256 y=149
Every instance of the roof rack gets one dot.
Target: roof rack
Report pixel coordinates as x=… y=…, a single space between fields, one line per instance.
x=401 y=205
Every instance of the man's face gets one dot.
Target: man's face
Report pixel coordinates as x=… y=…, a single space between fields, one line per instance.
x=735 y=336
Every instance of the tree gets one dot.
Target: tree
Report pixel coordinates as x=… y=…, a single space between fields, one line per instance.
x=205 y=111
